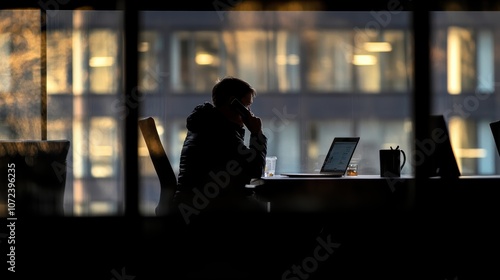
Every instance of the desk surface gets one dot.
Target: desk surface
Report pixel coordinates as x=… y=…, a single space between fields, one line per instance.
x=281 y=177
x=359 y=177
x=373 y=191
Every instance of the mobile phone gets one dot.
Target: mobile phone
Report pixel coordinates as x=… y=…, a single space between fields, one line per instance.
x=240 y=108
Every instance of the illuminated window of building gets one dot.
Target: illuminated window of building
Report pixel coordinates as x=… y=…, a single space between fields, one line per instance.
x=287 y=58
x=345 y=60
x=196 y=61
x=150 y=58
x=102 y=147
x=329 y=66
x=367 y=63
x=381 y=60
x=104 y=72
x=59 y=52
x=461 y=54
x=395 y=60
x=270 y=61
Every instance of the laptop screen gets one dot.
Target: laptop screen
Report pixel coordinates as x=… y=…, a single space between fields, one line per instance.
x=340 y=154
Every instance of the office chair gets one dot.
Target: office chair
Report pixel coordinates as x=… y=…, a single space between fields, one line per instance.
x=163 y=168
x=36 y=170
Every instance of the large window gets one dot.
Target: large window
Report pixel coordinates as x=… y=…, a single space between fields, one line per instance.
x=464 y=85
x=87 y=107
x=318 y=75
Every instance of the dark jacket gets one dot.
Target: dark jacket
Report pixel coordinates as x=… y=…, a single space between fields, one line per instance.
x=214 y=159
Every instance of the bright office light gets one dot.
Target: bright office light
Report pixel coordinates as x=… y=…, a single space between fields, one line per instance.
x=143 y=47
x=101 y=61
x=101 y=171
x=377 y=46
x=364 y=59
x=204 y=59
x=454 y=64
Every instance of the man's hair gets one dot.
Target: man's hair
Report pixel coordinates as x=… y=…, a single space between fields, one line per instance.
x=228 y=87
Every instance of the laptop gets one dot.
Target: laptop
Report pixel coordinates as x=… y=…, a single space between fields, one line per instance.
x=495 y=130
x=336 y=161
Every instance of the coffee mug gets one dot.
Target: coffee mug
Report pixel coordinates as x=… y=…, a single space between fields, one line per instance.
x=390 y=162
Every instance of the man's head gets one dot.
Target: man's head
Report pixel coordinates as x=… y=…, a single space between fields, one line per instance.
x=228 y=88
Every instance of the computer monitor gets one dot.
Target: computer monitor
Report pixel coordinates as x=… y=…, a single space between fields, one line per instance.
x=439 y=159
x=495 y=130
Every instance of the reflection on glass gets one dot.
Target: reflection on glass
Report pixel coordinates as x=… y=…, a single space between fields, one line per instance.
x=5 y=69
x=20 y=91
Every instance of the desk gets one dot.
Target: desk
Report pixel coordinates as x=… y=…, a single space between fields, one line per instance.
x=342 y=193
x=372 y=192
x=438 y=228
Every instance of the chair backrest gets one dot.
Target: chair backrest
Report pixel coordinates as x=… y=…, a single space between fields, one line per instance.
x=163 y=168
x=37 y=169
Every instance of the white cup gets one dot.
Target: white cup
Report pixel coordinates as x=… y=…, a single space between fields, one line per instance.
x=270 y=169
